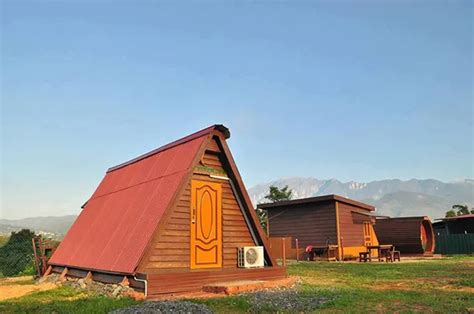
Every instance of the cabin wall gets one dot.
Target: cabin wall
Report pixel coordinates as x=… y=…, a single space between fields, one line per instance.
x=313 y=224
x=351 y=224
x=171 y=249
x=351 y=229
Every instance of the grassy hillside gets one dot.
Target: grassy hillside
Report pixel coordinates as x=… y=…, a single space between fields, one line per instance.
x=54 y=226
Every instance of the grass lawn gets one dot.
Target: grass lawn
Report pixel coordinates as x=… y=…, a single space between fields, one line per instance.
x=63 y=300
x=441 y=286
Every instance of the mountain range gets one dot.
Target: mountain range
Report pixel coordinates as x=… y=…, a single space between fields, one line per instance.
x=392 y=197
x=53 y=226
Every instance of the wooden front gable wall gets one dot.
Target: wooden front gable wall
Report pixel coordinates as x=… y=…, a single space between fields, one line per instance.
x=170 y=249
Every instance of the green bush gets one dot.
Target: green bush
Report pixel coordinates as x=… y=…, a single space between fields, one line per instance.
x=16 y=256
x=3 y=239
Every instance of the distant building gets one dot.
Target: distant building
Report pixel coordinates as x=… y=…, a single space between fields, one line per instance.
x=324 y=220
x=455 y=235
x=455 y=225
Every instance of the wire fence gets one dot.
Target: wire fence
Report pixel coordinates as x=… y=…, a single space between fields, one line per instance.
x=16 y=257
x=25 y=253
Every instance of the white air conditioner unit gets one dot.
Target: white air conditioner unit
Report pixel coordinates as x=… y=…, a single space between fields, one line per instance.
x=250 y=256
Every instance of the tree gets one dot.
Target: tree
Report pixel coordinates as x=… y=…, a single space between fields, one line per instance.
x=274 y=195
x=461 y=209
x=450 y=213
x=277 y=195
x=17 y=254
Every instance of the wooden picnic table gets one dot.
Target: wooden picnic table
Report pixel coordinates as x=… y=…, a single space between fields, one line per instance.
x=382 y=249
x=330 y=250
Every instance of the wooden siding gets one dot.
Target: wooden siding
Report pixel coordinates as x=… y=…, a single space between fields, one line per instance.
x=405 y=234
x=276 y=247
x=176 y=283
x=315 y=224
x=351 y=225
x=312 y=224
x=172 y=245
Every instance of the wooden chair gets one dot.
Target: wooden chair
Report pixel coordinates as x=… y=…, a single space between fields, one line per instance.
x=310 y=253
x=331 y=252
x=364 y=257
x=392 y=255
x=396 y=255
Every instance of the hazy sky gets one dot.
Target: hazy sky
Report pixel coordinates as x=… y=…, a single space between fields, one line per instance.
x=340 y=90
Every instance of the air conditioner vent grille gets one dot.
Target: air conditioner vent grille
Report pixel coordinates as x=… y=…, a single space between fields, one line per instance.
x=250 y=256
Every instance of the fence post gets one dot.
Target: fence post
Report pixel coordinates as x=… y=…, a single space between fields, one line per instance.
x=283 y=251
x=342 y=250
x=297 y=251
x=267 y=227
x=37 y=266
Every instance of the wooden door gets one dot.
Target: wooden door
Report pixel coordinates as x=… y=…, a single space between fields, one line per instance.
x=367 y=234
x=206 y=224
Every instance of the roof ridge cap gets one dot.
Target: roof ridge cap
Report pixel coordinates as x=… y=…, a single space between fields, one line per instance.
x=182 y=140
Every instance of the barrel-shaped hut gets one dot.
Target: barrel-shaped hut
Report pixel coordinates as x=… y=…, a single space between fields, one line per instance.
x=410 y=235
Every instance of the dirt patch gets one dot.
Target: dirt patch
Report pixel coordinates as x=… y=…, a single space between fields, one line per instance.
x=404 y=285
x=456 y=289
x=419 y=260
x=321 y=281
x=16 y=291
x=15 y=279
x=399 y=306
x=442 y=284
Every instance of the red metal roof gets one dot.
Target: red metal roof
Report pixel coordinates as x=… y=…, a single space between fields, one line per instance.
x=118 y=221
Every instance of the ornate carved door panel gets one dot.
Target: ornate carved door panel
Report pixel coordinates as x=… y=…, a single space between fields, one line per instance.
x=206 y=224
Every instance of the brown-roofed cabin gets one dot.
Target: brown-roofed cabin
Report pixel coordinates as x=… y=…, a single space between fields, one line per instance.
x=170 y=221
x=324 y=220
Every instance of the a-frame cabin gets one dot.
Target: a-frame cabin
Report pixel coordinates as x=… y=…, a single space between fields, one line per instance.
x=170 y=221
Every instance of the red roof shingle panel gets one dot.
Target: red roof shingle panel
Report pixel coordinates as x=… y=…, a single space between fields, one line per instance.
x=117 y=223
